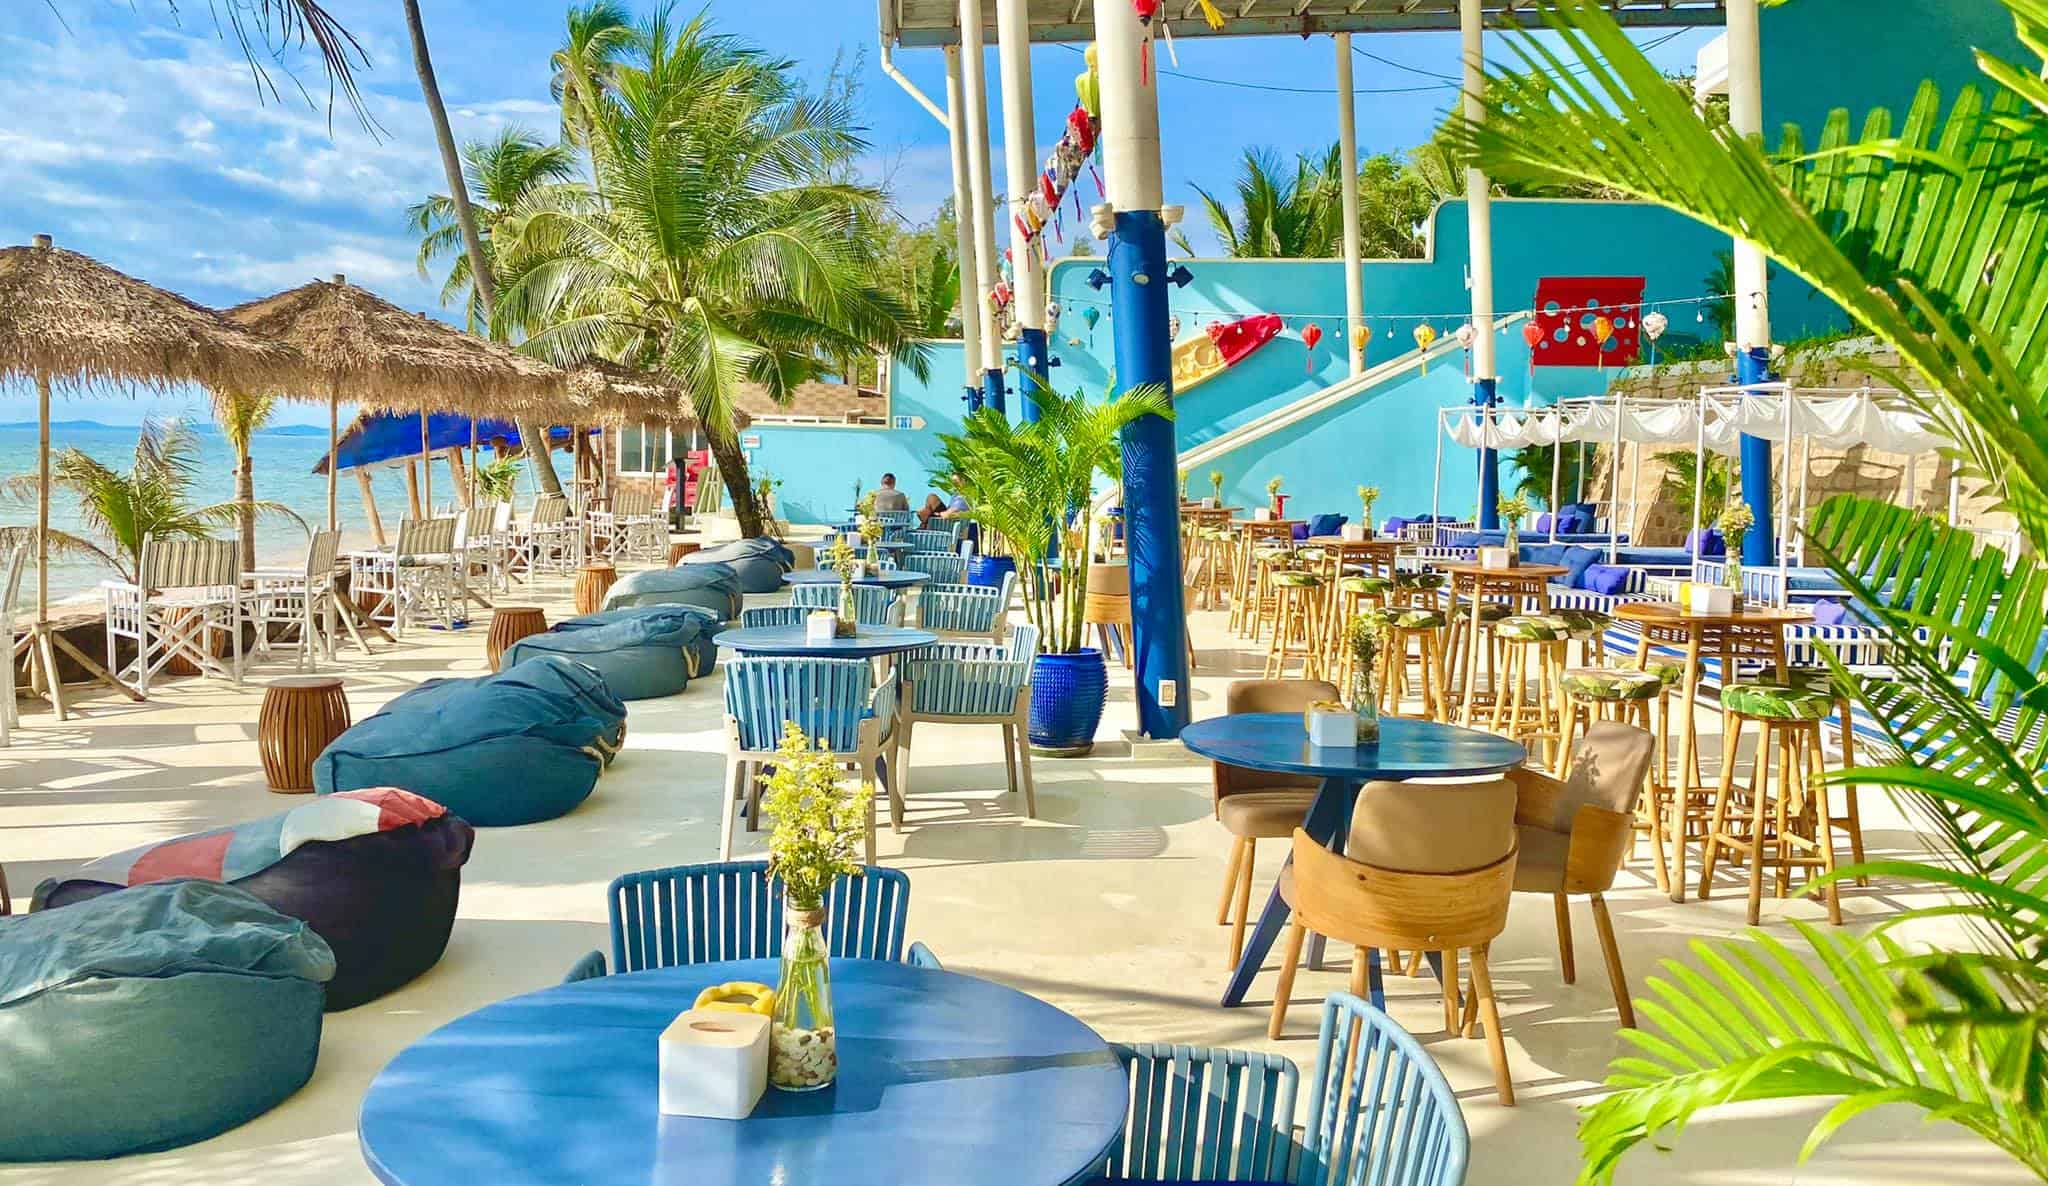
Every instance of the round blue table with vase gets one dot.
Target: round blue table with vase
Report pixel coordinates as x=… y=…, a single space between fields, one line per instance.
x=887 y=578
x=944 y=1079
x=866 y=642
x=1277 y=742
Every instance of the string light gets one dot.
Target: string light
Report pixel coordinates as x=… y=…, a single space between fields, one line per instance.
x=1392 y=318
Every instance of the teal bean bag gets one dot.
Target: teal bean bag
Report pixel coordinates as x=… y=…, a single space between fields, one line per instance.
x=576 y=683
x=495 y=753
x=642 y=653
x=152 y=1017
x=714 y=586
x=760 y=563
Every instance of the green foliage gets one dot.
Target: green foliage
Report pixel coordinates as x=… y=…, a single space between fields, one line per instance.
x=1682 y=478
x=1538 y=463
x=497 y=480
x=503 y=174
x=1030 y=484
x=1301 y=216
x=820 y=826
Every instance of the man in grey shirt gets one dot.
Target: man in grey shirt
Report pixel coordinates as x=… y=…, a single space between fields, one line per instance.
x=889 y=498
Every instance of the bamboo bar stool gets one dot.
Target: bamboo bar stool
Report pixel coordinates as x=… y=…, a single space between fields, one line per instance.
x=1532 y=646
x=1786 y=824
x=1630 y=697
x=1263 y=599
x=1423 y=629
x=1251 y=533
x=1297 y=623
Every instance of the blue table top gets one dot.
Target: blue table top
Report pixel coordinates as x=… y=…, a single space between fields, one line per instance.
x=866 y=643
x=1277 y=742
x=888 y=578
x=943 y=1079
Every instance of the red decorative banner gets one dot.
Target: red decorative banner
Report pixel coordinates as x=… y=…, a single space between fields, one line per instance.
x=1567 y=311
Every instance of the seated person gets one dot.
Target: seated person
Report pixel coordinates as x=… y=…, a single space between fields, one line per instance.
x=889 y=498
x=934 y=508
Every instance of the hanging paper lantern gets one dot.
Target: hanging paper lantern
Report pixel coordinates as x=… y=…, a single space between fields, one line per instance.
x=1532 y=333
x=1466 y=335
x=1173 y=328
x=1211 y=15
x=1052 y=314
x=1091 y=316
x=1361 y=338
x=1654 y=325
x=1603 y=331
x=1310 y=335
x=1425 y=334
x=1088 y=84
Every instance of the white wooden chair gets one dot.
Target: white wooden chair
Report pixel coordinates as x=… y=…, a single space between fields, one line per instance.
x=186 y=592
x=553 y=541
x=302 y=600
x=486 y=545
x=639 y=531
x=417 y=579
x=17 y=646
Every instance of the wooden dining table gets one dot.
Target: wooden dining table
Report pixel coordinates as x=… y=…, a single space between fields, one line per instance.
x=1527 y=584
x=1755 y=633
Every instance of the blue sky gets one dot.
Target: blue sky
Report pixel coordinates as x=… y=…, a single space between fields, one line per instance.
x=138 y=137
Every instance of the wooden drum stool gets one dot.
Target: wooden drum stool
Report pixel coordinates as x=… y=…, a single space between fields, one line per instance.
x=677 y=549
x=300 y=715
x=1107 y=607
x=593 y=581
x=509 y=624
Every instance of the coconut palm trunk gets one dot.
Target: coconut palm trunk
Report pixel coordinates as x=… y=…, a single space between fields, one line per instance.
x=245 y=501
x=739 y=484
x=532 y=434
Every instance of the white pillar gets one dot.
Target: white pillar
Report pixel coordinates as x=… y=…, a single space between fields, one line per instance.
x=1347 y=155
x=1746 y=115
x=1130 y=111
x=963 y=229
x=1020 y=153
x=1479 y=198
x=974 y=82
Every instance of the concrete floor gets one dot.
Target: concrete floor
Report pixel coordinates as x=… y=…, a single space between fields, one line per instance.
x=1104 y=906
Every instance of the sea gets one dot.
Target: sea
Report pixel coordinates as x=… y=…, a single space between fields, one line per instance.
x=283 y=461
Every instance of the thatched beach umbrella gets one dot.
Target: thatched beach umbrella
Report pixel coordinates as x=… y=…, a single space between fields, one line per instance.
x=69 y=321
x=368 y=351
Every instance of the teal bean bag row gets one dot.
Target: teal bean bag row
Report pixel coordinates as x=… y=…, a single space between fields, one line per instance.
x=495 y=752
x=643 y=652
x=713 y=586
x=552 y=675
x=151 y=1018
x=760 y=563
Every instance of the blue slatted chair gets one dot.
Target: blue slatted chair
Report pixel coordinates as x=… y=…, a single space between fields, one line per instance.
x=1379 y=1110
x=1205 y=1116
x=873 y=605
x=896 y=521
x=768 y=616
x=946 y=568
x=961 y=683
x=834 y=701
x=925 y=540
x=694 y=914
x=966 y=609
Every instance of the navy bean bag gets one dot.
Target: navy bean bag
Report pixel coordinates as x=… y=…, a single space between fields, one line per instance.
x=152 y=1018
x=715 y=586
x=642 y=653
x=495 y=753
x=549 y=674
x=375 y=873
x=760 y=563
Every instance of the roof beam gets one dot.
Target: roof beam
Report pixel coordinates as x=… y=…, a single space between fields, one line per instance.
x=1072 y=21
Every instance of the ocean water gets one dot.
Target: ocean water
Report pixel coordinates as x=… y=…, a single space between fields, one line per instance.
x=283 y=466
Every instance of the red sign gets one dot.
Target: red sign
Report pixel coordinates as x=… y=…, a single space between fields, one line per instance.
x=1566 y=307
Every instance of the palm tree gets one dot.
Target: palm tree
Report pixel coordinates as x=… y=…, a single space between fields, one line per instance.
x=1682 y=475
x=483 y=280
x=719 y=257
x=600 y=35
x=241 y=414
x=1277 y=216
x=274 y=26
x=1928 y=233
x=499 y=174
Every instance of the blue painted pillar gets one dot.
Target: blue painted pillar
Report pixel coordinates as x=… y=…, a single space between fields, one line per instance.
x=1485 y=394
x=1144 y=356
x=992 y=390
x=973 y=396
x=1759 y=548
x=1033 y=371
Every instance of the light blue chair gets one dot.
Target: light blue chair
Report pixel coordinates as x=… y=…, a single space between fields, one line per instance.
x=766 y=616
x=967 y=609
x=930 y=541
x=965 y=683
x=732 y=910
x=1205 y=1116
x=873 y=605
x=900 y=520
x=945 y=568
x=837 y=705
x=1379 y=1112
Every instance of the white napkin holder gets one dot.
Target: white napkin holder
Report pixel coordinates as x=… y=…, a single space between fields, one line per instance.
x=1498 y=558
x=1330 y=725
x=1703 y=598
x=1209 y=504
x=821 y=626
x=1263 y=514
x=714 y=1063
x=1354 y=533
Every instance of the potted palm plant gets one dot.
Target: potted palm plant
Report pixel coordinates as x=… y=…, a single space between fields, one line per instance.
x=1028 y=486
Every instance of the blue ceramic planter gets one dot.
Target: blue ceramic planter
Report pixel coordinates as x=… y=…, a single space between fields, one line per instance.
x=987 y=571
x=1067 y=694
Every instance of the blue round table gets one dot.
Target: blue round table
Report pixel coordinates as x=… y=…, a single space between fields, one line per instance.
x=1277 y=742
x=943 y=1079
x=887 y=578
x=867 y=642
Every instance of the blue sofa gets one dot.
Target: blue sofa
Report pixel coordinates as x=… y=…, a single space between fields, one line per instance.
x=713 y=585
x=151 y=1018
x=643 y=652
x=759 y=562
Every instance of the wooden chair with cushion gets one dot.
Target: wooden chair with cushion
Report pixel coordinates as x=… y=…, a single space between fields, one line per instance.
x=1429 y=867
x=1574 y=832
x=1253 y=805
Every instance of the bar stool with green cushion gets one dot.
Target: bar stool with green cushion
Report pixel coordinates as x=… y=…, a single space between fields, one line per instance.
x=1589 y=629
x=1214 y=553
x=1253 y=805
x=1851 y=821
x=1626 y=696
x=1543 y=637
x=1457 y=644
x=1401 y=627
x=1297 y=622
x=1787 y=826
x=1349 y=597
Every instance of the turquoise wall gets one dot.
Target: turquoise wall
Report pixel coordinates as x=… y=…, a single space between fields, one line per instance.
x=1822 y=54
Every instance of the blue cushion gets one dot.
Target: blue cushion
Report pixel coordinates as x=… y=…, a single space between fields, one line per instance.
x=151 y=1018
x=712 y=585
x=495 y=753
x=1708 y=542
x=1577 y=559
x=1326 y=524
x=689 y=628
x=1543 y=554
x=1610 y=579
x=760 y=563
x=1543 y=523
